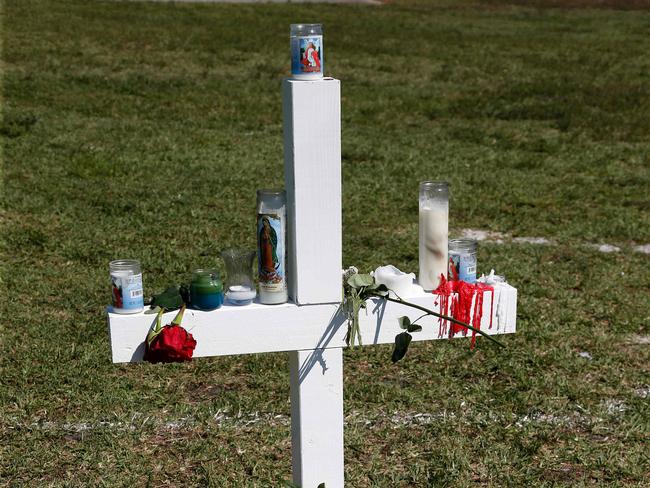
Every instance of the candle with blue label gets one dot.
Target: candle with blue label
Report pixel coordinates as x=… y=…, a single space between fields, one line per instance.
x=126 y=291
x=462 y=260
x=307 y=52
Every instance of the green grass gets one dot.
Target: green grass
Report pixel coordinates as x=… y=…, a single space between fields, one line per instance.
x=142 y=130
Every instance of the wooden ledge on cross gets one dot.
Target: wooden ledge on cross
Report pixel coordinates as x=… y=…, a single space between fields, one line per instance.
x=258 y=328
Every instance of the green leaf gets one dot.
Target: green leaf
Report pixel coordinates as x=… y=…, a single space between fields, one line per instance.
x=170 y=299
x=414 y=328
x=359 y=280
x=184 y=290
x=402 y=342
x=379 y=289
x=404 y=322
x=179 y=316
x=156 y=328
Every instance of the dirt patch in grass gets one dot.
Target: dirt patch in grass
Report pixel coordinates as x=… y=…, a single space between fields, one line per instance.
x=564 y=472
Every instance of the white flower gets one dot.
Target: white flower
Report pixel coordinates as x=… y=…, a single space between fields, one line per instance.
x=352 y=270
x=400 y=283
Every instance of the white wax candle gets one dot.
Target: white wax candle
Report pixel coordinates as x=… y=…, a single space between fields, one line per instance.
x=121 y=274
x=434 y=235
x=240 y=295
x=400 y=283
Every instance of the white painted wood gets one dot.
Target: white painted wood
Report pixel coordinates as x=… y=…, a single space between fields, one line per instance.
x=314 y=327
x=260 y=328
x=312 y=174
x=317 y=417
x=229 y=329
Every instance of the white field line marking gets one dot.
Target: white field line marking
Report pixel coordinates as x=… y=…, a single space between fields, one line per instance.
x=643 y=392
x=604 y=247
x=645 y=248
x=638 y=339
x=613 y=407
x=500 y=238
x=540 y=241
x=382 y=420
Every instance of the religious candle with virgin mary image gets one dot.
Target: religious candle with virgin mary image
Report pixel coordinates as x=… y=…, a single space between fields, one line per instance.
x=271 y=246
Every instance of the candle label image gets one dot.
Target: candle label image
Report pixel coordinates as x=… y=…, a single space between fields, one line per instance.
x=271 y=266
x=307 y=55
x=127 y=291
x=462 y=267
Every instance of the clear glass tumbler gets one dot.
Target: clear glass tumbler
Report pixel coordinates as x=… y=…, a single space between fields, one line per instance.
x=240 y=287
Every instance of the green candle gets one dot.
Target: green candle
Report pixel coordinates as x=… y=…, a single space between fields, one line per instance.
x=206 y=289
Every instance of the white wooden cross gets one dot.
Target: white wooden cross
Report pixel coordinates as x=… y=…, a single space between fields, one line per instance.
x=311 y=326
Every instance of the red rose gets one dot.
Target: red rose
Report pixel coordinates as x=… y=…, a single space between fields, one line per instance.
x=171 y=343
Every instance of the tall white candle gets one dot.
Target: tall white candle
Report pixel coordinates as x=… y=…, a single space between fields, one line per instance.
x=434 y=233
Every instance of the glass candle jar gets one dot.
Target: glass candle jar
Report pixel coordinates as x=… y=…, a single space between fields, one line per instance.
x=206 y=289
x=271 y=246
x=240 y=288
x=126 y=280
x=462 y=260
x=306 y=51
x=434 y=232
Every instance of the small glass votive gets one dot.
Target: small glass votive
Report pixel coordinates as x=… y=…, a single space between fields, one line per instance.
x=126 y=290
x=462 y=260
x=307 y=59
x=240 y=288
x=206 y=289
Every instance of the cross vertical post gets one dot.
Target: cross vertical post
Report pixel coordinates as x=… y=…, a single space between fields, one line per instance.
x=312 y=178
x=312 y=168
x=317 y=417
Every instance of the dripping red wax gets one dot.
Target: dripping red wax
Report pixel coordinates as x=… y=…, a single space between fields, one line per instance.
x=463 y=295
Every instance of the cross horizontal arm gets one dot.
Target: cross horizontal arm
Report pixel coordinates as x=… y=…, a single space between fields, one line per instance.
x=288 y=327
